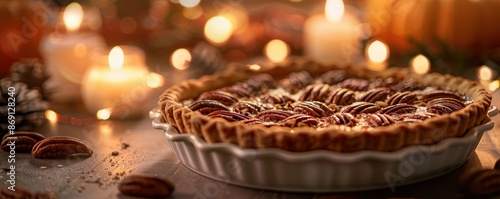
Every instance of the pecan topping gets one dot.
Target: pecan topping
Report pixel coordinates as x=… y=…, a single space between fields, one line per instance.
x=355 y=84
x=297 y=81
x=220 y=96
x=361 y=107
x=247 y=108
x=384 y=82
x=207 y=106
x=341 y=119
x=277 y=99
x=273 y=115
x=431 y=95
x=238 y=90
x=252 y=120
x=60 y=147
x=415 y=117
x=407 y=97
x=480 y=182
x=398 y=109
x=341 y=96
x=23 y=141
x=376 y=94
x=444 y=105
x=378 y=119
x=299 y=120
x=334 y=77
x=261 y=83
x=314 y=108
x=228 y=115
x=409 y=85
x=315 y=92
x=143 y=186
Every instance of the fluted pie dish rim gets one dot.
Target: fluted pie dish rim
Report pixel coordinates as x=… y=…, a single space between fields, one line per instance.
x=333 y=138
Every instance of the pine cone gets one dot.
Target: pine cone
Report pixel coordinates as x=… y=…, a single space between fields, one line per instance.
x=26 y=105
x=32 y=73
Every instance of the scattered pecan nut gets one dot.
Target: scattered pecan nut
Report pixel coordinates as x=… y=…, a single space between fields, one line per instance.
x=143 y=186
x=60 y=147
x=480 y=182
x=22 y=140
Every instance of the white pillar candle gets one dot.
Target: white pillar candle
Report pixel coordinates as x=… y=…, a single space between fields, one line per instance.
x=66 y=57
x=117 y=83
x=332 y=38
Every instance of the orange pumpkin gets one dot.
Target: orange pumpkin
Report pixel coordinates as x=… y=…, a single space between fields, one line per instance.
x=470 y=26
x=22 y=27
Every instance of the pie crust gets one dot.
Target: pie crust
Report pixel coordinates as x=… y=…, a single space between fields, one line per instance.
x=339 y=138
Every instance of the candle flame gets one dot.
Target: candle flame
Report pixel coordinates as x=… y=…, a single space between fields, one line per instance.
x=51 y=115
x=155 y=80
x=73 y=16
x=334 y=10
x=420 y=64
x=218 y=29
x=378 y=52
x=103 y=114
x=180 y=59
x=116 y=58
x=485 y=73
x=276 y=50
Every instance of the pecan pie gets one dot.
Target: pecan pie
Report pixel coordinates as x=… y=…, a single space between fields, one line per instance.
x=303 y=106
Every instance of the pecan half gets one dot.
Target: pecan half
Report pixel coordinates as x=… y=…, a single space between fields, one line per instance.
x=341 y=119
x=20 y=193
x=23 y=141
x=277 y=99
x=398 y=109
x=207 y=106
x=415 y=117
x=480 y=182
x=444 y=105
x=238 y=90
x=409 y=85
x=435 y=94
x=355 y=84
x=247 y=108
x=297 y=81
x=314 y=108
x=142 y=186
x=299 y=120
x=378 y=119
x=228 y=115
x=260 y=83
x=406 y=97
x=334 y=77
x=220 y=96
x=361 y=107
x=341 y=96
x=60 y=147
x=273 y=115
x=376 y=94
x=315 y=92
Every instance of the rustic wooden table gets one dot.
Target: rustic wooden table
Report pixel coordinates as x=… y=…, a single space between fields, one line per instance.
x=149 y=153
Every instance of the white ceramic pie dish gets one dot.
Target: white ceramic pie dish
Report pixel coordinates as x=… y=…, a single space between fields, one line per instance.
x=320 y=171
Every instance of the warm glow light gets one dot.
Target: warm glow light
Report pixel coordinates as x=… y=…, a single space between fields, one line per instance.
x=180 y=59
x=103 y=114
x=193 y=13
x=485 y=73
x=73 y=15
x=51 y=115
x=334 y=10
x=80 y=50
x=218 y=29
x=378 y=52
x=276 y=50
x=254 y=67
x=155 y=80
x=189 y=3
x=420 y=64
x=494 y=85
x=116 y=58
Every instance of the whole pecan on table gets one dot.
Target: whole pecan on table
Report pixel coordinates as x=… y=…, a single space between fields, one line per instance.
x=60 y=147
x=481 y=181
x=22 y=141
x=144 y=186
x=21 y=193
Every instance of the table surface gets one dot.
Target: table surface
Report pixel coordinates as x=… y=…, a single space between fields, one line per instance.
x=150 y=154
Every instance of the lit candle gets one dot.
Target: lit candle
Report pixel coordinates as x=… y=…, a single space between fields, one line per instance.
x=377 y=54
x=66 y=57
x=117 y=84
x=331 y=38
x=420 y=64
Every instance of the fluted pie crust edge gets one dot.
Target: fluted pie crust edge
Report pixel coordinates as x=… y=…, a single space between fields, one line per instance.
x=334 y=138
